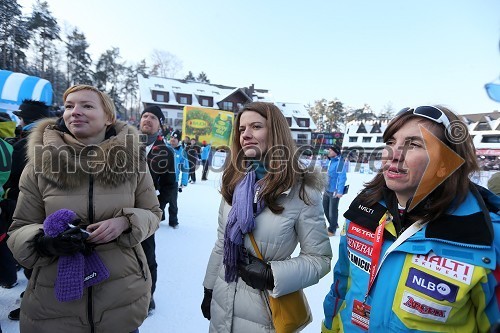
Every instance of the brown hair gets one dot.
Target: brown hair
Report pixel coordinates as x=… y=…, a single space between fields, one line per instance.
x=454 y=189
x=281 y=160
x=107 y=102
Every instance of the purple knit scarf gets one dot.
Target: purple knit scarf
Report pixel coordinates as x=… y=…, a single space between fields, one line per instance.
x=240 y=221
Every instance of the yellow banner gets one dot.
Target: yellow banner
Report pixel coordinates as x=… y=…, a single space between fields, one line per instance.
x=210 y=125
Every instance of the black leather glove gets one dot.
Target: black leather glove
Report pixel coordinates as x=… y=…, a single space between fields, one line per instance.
x=180 y=188
x=257 y=273
x=205 y=304
x=66 y=244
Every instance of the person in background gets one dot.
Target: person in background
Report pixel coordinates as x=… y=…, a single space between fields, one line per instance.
x=336 y=178
x=8 y=265
x=192 y=155
x=419 y=250
x=206 y=156
x=29 y=113
x=494 y=183
x=161 y=162
x=181 y=167
x=277 y=200
x=111 y=191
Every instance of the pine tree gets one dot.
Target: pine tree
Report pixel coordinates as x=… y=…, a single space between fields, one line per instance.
x=190 y=77
x=14 y=37
x=202 y=77
x=45 y=31
x=78 y=59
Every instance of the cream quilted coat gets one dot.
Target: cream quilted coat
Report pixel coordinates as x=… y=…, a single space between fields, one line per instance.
x=236 y=307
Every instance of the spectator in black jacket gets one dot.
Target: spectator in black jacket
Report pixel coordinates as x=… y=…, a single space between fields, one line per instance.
x=29 y=113
x=162 y=167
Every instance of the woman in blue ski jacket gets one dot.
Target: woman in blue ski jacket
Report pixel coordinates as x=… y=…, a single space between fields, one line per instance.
x=419 y=251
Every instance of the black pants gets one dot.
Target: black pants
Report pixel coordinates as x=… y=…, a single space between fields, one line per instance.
x=8 y=265
x=205 y=164
x=149 y=247
x=171 y=201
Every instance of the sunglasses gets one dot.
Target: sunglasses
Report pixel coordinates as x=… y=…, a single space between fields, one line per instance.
x=493 y=90
x=429 y=112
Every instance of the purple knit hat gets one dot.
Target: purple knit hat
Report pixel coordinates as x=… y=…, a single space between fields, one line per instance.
x=77 y=271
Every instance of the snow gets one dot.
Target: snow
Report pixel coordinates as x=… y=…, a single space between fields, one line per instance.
x=182 y=256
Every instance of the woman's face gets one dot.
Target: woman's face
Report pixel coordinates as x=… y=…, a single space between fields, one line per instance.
x=406 y=158
x=84 y=116
x=253 y=134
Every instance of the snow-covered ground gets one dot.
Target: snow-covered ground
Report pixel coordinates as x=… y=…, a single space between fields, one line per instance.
x=182 y=256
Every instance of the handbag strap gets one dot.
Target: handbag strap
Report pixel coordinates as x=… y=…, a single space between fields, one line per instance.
x=255 y=247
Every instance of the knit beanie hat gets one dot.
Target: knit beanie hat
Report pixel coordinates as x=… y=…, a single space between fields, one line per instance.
x=76 y=271
x=154 y=109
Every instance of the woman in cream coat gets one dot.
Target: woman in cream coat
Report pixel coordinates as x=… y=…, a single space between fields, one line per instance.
x=285 y=200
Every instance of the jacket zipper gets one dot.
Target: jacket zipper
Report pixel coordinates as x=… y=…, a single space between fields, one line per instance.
x=90 y=308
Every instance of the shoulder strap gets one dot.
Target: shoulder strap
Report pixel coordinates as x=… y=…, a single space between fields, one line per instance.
x=255 y=247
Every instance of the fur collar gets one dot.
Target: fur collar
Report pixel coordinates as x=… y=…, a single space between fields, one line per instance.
x=67 y=163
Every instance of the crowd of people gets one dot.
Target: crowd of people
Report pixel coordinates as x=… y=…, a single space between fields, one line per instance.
x=83 y=194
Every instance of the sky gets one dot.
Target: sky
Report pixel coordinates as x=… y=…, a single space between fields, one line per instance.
x=386 y=53
x=182 y=256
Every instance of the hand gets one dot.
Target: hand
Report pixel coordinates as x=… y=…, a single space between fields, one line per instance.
x=180 y=188
x=205 y=304
x=338 y=195
x=257 y=274
x=67 y=243
x=107 y=230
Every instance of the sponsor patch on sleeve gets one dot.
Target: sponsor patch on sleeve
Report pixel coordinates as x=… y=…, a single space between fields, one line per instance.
x=360 y=232
x=359 y=246
x=424 y=308
x=453 y=269
x=431 y=286
x=359 y=261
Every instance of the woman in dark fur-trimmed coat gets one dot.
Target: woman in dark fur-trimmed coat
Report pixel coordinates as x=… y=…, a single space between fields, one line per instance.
x=93 y=165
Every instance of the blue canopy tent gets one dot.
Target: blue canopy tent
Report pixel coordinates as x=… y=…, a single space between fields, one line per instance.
x=14 y=87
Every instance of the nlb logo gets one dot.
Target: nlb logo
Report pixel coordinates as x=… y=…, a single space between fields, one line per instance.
x=454 y=269
x=431 y=286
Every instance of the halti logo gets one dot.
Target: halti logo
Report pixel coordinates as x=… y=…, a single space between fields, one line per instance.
x=454 y=269
x=431 y=286
x=424 y=308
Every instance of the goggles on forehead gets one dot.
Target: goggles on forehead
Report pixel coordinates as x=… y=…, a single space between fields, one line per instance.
x=429 y=112
x=493 y=90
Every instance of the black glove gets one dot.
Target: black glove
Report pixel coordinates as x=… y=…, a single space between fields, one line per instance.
x=66 y=244
x=180 y=188
x=257 y=274
x=205 y=304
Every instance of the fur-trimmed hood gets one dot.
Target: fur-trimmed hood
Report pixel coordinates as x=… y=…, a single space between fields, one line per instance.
x=66 y=162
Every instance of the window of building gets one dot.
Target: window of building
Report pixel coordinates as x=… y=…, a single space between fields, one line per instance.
x=303 y=122
x=228 y=106
x=289 y=121
x=205 y=102
x=183 y=100
x=380 y=139
x=302 y=139
x=491 y=138
x=353 y=139
x=160 y=96
x=180 y=115
x=367 y=139
x=483 y=126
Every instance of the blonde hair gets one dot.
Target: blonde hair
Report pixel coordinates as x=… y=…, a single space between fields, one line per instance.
x=107 y=102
